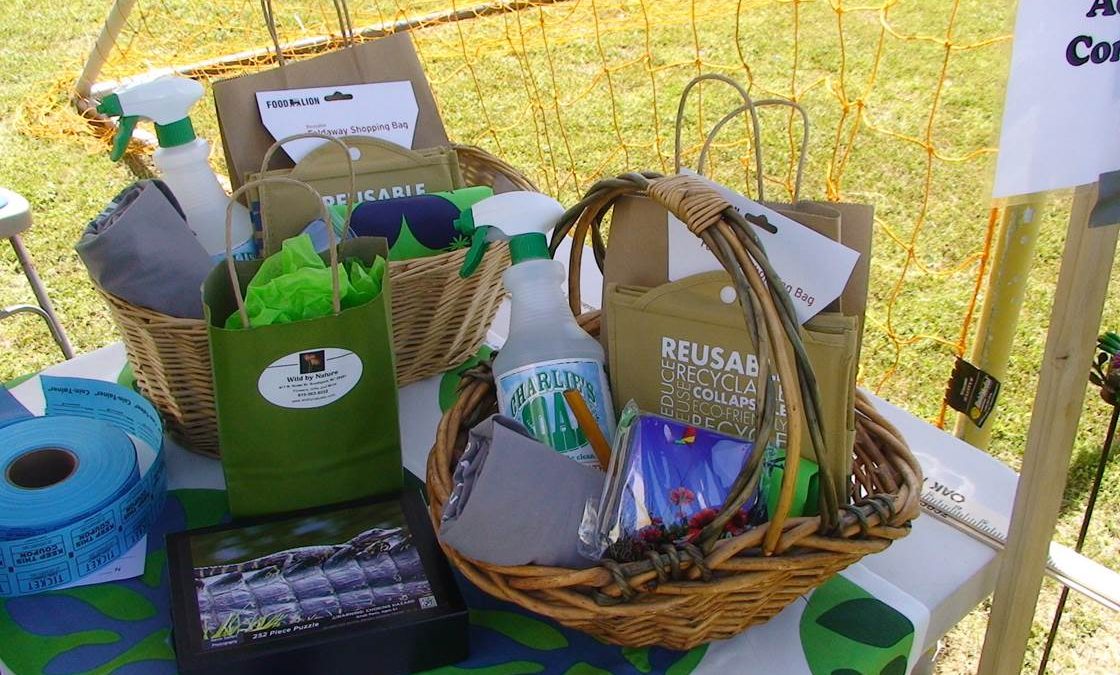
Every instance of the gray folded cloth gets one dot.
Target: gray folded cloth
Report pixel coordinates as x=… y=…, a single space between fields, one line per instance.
x=516 y=501
x=141 y=250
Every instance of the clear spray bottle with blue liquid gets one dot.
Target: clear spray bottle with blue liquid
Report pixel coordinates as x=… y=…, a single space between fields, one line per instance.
x=546 y=352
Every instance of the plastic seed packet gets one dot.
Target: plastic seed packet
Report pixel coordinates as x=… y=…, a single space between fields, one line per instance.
x=666 y=481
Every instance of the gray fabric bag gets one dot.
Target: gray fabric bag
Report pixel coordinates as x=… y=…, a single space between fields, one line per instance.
x=500 y=512
x=141 y=250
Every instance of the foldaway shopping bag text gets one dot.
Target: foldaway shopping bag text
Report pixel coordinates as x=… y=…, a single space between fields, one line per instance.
x=389 y=59
x=307 y=411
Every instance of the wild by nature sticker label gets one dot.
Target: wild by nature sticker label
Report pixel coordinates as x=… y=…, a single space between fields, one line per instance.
x=534 y=396
x=311 y=378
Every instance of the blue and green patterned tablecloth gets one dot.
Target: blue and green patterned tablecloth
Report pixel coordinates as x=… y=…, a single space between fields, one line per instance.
x=123 y=627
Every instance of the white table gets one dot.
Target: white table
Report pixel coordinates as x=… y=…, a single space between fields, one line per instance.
x=936 y=571
x=947 y=572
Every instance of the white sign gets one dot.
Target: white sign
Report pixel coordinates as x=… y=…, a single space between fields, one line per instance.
x=1063 y=97
x=385 y=110
x=813 y=268
x=312 y=378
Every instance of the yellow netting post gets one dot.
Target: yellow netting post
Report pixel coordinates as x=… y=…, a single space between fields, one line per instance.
x=99 y=56
x=1003 y=302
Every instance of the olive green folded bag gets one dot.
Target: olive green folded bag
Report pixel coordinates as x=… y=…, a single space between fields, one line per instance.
x=681 y=350
x=374 y=169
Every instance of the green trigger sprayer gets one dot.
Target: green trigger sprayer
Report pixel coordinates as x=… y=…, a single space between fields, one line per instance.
x=546 y=353
x=183 y=159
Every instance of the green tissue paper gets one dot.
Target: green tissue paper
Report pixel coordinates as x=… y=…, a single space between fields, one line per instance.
x=295 y=284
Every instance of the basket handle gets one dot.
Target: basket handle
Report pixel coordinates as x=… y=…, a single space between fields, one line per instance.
x=748 y=105
x=341 y=10
x=767 y=310
x=353 y=192
x=752 y=108
x=331 y=239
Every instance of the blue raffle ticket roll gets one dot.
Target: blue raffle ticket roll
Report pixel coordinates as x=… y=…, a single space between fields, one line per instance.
x=79 y=486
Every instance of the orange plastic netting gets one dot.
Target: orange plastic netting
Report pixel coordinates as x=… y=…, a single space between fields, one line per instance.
x=903 y=99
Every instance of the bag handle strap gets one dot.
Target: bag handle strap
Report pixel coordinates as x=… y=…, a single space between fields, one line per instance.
x=770 y=319
x=341 y=10
x=331 y=239
x=349 y=167
x=752 y=108
x=748 y=105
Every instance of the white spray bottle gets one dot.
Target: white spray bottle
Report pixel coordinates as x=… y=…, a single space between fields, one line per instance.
x=546 y=352
x=183 y=159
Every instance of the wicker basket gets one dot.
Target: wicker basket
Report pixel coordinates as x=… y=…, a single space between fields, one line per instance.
x=717 y=587
x=439 y=321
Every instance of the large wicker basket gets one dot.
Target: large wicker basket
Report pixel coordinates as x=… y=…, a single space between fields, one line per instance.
x=717 y=587
x=439 y=321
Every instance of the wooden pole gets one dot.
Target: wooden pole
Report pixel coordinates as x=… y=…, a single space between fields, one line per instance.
x=1063 y=378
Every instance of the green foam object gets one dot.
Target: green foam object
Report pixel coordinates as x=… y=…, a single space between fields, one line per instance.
x=295 y=284
x=806 y=490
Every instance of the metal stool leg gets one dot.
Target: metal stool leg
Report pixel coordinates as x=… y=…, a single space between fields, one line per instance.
x=41 y=295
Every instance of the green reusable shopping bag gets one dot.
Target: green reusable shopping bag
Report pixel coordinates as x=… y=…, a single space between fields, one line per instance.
x=307 y=410
x=681 y=350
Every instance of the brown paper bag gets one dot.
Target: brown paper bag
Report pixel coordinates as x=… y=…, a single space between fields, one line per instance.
x=852 y=224
x=849 y=224
x=637 y=255
x=388 y=59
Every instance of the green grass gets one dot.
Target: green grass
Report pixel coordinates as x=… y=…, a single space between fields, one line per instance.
x=554 y=117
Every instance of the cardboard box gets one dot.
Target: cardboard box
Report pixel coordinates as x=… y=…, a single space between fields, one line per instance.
x=361 y=587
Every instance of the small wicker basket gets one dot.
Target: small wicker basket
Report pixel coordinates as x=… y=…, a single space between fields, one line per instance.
x=439 y=321
x=715 y=587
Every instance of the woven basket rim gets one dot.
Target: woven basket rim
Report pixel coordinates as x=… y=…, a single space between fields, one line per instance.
x=870 y=525
x=631 y=604
x=738 y=568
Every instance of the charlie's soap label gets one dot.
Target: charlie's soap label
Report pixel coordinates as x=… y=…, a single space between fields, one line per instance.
x=534 y=396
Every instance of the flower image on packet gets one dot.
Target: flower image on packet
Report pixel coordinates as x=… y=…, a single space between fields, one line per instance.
x=667 y=480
